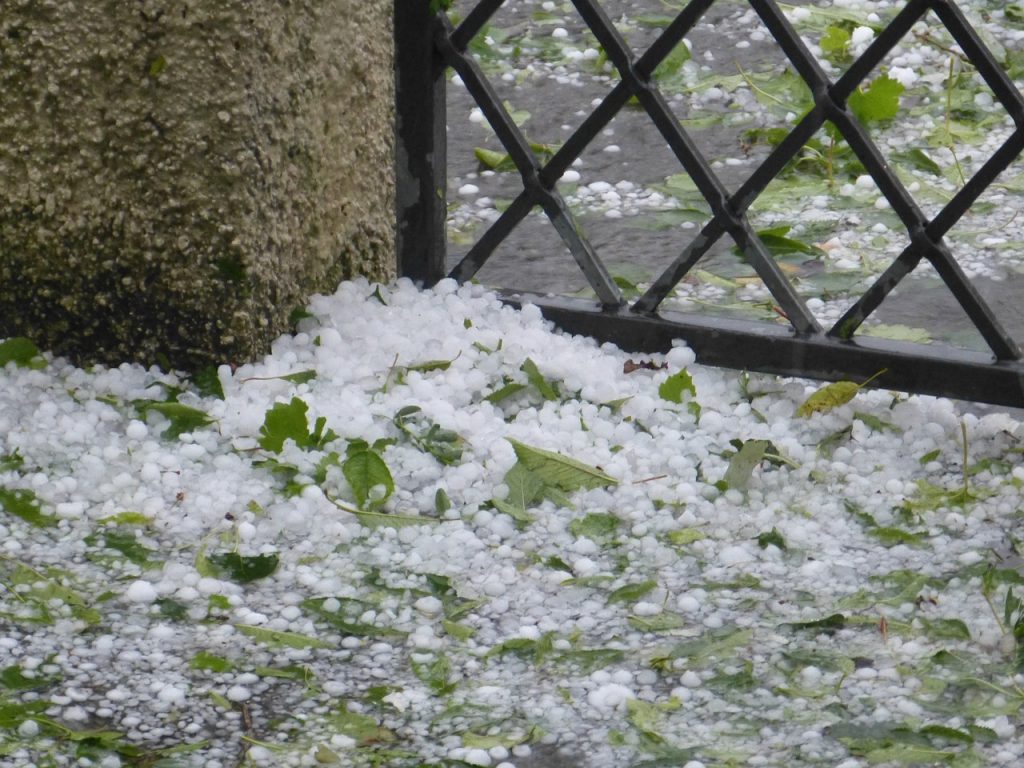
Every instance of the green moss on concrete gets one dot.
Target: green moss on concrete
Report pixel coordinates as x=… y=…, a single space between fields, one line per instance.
x=179 y=176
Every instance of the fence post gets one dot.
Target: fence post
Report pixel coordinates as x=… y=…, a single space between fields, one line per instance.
x=420 y=144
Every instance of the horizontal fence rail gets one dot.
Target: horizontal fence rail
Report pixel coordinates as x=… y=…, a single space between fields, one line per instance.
x=428 y=46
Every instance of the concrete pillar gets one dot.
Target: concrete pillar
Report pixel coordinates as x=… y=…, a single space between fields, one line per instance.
x=178 y=176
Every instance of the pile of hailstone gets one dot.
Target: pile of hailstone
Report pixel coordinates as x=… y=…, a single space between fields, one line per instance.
x=428 y=529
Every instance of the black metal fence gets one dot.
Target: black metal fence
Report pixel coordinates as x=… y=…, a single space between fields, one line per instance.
x=427 y=44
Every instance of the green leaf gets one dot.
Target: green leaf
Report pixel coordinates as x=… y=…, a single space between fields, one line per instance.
x=157 y=65
x=363 y=728
x=441 y=502
x=494 y=161
x=615 y=405
x=126 y=518
x=208 y=382
x=908 y=754
x=891 y=536
x=673 y=388
x=17 y=350
x=835 y=42
x=557 y=564
x=231 y=268
x=347 y=621
x=390 y=519
x=772 y=537
x=778 y=244
x=744 y=581
x=38 y=592
x=827 y=625
x=647 y=715
x=661 y=622
x=472 y=740
x=945 y=629
x=879 y=102
x=742 y=681
x=953 y=132
x=218 y=602
x=865 y=736
x=128 y=545
x=833 y=395
x=828 y=444
x=431 y=365
x=875 y=423
x=1011 y=607
x=172 y=609
x=898 y=333
x=983 y=734
x=24 y=504
x=595 y=526
x=459 y=608
x=598 y=580
x=243 y=568
x=525 y=648
x=203 y=566
x=828 y=397
x=365 y=470
x=558 y=471
x=714 y=644
x=524 y=489
x=684 y=536
x=221 y=701
x=918 y=160
x=274 y=637
x=945 y=733
x=519 y=514
x=331 y=459
x=182 y=417
x=591 y=659
x=443 y=444
x=435 y=674
x=458 y=631
x=743 y=463
x=209 y=661
x=297 y=672
x=14 y=678
x=672 y=63
x=285 y=421
x=548 y=388
x=506 y=391
x=501 y=162
x=324 y=755
x=712 y=279
x=299 y=377
x=11 y=461
x=12 y=715
x=630 y=593
x=820 y=659
x=298 y=314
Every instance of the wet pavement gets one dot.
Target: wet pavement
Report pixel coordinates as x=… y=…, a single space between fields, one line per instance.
x=632 y=150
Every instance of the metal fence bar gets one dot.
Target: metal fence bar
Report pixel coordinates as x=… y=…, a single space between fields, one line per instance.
x=697 y=167
x=518 y=148
x=473 y=23
x=421 y=145
x=981 y=58
x=752 y=346
x=427 y=42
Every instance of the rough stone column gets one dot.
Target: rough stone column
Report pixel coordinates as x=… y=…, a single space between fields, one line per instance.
x=178 y=176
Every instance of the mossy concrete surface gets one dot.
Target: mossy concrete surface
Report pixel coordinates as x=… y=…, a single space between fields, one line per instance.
x=177 y=177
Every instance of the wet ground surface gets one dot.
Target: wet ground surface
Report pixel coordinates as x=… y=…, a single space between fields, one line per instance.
x=556 y=94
